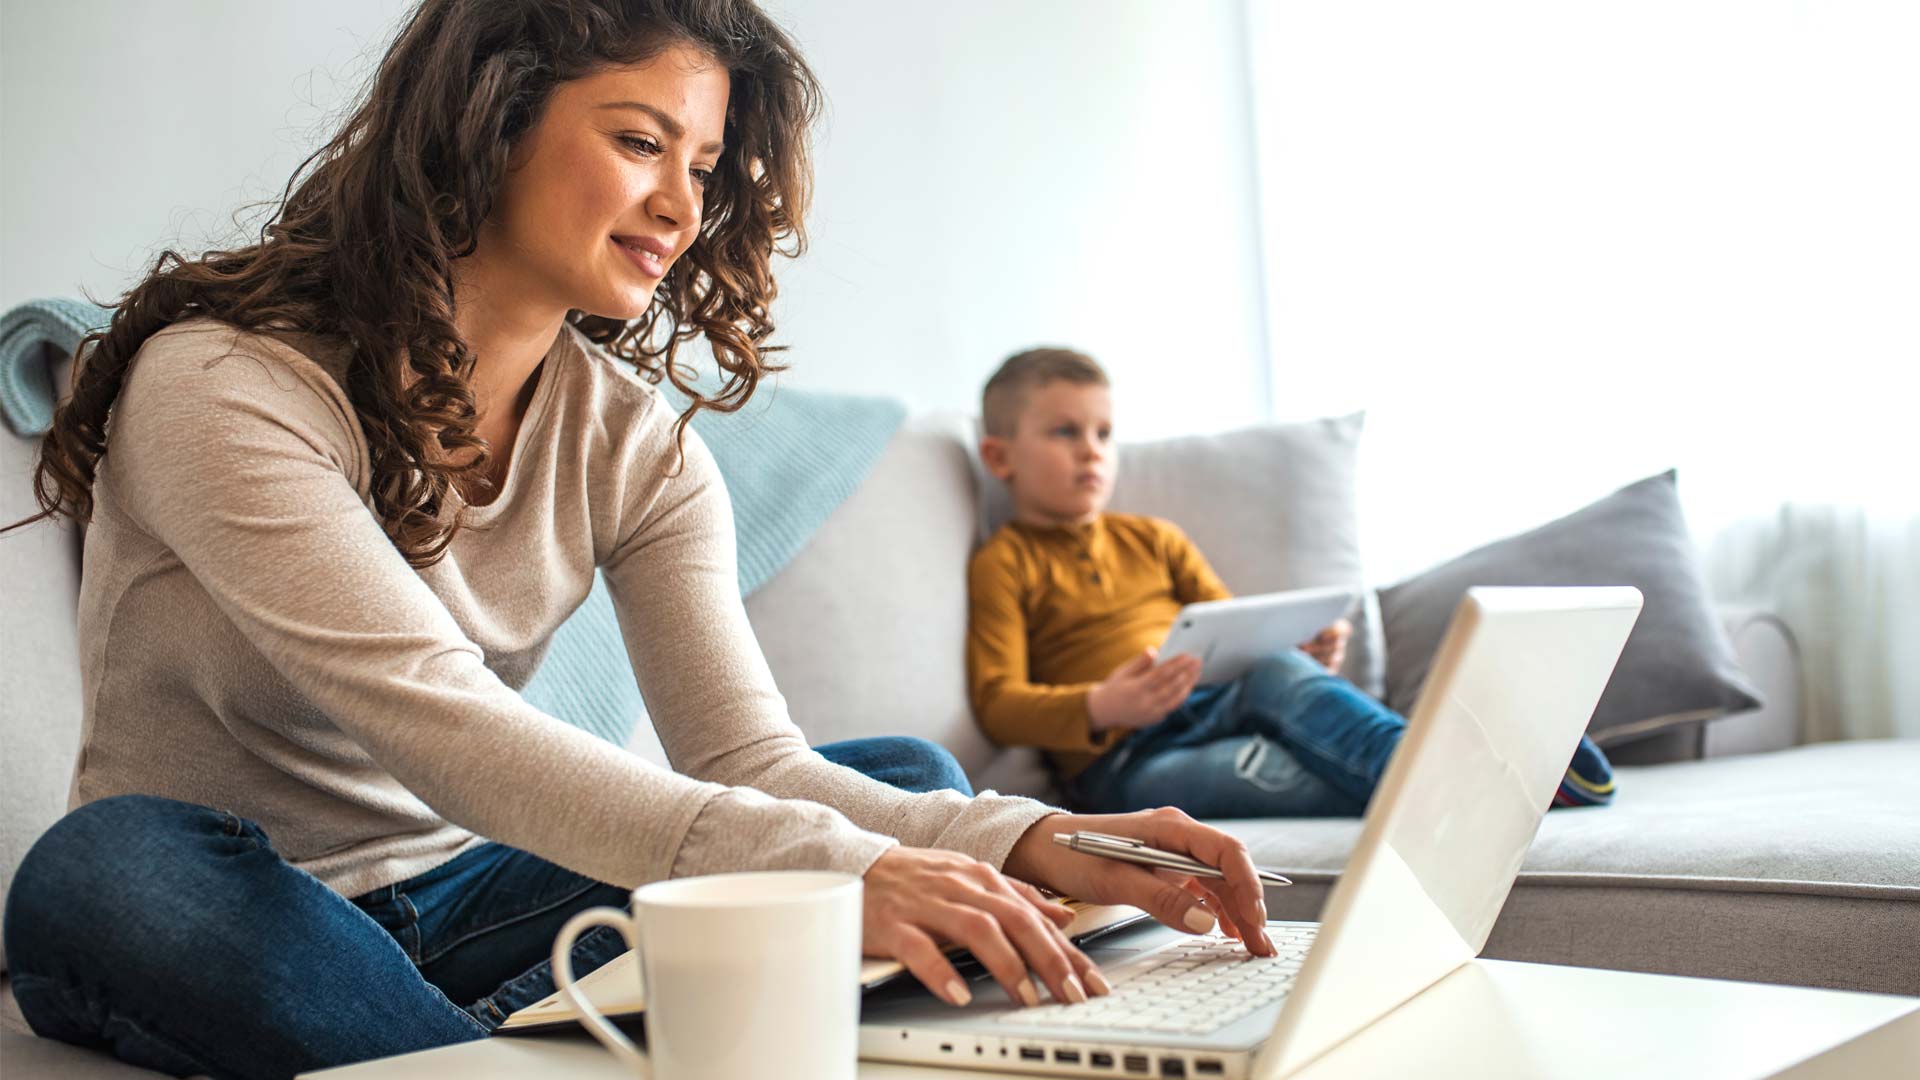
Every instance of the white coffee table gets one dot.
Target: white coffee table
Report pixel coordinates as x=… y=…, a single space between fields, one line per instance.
x=1492 y=1018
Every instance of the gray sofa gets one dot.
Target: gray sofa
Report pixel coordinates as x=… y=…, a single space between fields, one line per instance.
x=1755 y=859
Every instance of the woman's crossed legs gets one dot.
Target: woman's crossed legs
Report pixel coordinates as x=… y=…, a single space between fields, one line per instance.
x=175 y=937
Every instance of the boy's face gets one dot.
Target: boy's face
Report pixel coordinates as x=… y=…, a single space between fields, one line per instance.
x=1059 y=463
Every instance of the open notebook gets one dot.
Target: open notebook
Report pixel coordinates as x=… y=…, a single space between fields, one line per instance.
x=615 y=987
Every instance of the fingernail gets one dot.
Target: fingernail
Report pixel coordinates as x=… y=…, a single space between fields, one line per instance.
x=1198 y=920
x=1028 y=996
x=957 y=993
x=1075 y=992
x=1099 y=982
x=1268 y=942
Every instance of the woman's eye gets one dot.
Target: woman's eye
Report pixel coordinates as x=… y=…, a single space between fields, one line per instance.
x=649 y=147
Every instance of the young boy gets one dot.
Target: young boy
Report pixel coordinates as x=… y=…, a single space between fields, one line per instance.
x=1068 y=603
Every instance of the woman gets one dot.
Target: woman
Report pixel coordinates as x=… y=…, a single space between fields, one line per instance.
x=360 y=472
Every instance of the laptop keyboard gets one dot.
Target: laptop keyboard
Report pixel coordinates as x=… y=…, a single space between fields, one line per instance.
x=1189 y=988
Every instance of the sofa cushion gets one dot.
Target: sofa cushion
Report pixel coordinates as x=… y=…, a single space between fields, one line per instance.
x=1678 y=666
x=40 y=675
x=866 y=629
x=1796 y=866
x=1273 y=507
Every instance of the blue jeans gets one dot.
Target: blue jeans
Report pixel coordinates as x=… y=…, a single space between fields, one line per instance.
x=173 y=936
x=1287 y=739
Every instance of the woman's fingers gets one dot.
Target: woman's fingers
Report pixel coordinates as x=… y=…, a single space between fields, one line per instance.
x=1057 y=913
x=1216 y=905
x=1048 y=954
x=1209 y=900
x=1162 y=894
x=1061 y=917
x=1046 y=951
x=911 y=946
x=980 y=933
x=1091 y=980
x=1241 y=891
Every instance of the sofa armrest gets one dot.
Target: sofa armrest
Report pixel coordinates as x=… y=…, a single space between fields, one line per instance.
x=1770 y=656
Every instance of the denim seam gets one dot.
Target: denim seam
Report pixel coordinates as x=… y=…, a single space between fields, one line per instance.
x=438 y=993
x=448 y=947
x=414 y=938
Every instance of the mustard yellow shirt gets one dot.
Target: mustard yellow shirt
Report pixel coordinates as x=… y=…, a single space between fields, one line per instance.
x=1054 y=609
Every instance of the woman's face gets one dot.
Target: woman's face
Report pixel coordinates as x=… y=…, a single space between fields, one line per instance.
x=615 y=165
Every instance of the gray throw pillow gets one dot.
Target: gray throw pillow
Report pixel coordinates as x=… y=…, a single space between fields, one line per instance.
x=1678 y=666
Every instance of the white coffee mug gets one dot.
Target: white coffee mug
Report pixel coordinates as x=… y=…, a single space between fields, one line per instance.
x=745 y=976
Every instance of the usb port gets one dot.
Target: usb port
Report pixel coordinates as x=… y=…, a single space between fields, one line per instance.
x=1172 y=1067
x=1067 y=1057
x=1032 y=1053
x=1209 y=1067
x=1100 y=1059
x=1139 y=1063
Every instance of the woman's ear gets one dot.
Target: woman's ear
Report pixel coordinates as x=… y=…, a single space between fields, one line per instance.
x=993 y=454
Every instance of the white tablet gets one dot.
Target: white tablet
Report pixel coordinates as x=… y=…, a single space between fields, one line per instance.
x=1230 y=636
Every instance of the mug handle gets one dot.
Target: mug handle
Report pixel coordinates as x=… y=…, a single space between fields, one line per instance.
x=597 y=1025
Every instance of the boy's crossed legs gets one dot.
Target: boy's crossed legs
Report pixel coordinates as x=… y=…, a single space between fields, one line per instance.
x=1288 y=739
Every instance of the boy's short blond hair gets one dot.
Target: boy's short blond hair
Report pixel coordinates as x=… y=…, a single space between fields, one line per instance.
x=1022 y=374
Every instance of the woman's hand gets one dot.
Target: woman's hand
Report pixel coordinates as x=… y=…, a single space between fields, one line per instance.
x=918 y=900
x=1182 y=901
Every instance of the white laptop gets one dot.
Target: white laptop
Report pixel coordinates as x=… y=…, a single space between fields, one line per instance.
x=1514 y=682
x=1230 y=636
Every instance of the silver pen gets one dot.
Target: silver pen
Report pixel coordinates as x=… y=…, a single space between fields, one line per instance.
x=1127 y=849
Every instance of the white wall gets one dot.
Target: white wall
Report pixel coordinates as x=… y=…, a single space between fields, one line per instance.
x=1554 y=248
x=991 y=176
x=128 y=127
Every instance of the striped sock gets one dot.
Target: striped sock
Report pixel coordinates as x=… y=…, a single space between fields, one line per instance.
x=1589 y=779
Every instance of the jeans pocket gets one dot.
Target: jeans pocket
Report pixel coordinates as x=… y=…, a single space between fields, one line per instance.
x=396 y=914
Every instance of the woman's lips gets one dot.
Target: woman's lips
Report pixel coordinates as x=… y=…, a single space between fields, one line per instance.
x=648 y=265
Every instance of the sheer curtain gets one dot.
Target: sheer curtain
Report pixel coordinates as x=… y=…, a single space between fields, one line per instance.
x=1553 y=248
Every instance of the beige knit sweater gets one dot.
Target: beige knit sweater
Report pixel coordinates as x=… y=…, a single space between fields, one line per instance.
x=253 y=642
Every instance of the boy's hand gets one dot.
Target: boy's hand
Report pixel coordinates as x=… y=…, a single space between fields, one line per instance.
x=1140 y=692
x=1329 y=646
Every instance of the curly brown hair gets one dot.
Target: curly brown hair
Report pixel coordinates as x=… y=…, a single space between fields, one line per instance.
x=409 y=179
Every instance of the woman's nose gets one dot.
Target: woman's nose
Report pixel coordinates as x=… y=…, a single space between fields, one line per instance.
x=675 y=203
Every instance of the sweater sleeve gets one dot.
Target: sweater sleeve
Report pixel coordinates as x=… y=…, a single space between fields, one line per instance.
x=711 y=696
x=1012 y=710
x=241 y=466
x=1193 y=577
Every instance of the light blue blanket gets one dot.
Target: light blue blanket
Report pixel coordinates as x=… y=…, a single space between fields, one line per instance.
x=790 y=457
x=26 y=386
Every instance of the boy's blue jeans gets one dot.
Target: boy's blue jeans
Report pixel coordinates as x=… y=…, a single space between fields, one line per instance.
x=1287 y=739
x=173 y=936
